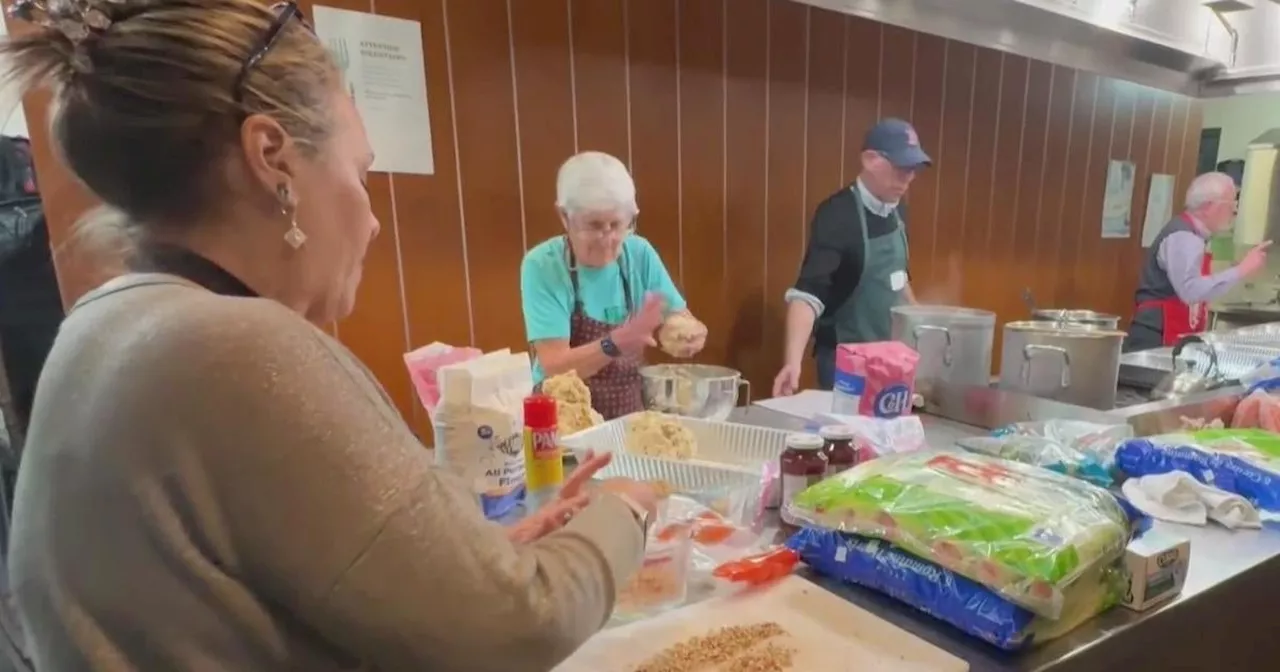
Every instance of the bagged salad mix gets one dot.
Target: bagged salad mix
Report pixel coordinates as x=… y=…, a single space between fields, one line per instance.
x=1245 y=462
x=1076 y=448
x=1027 y=533
x=965 y=604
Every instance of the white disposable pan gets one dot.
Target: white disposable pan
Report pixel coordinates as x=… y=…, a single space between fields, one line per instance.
x=726 y=452
x=727 y=443
x=683 y=476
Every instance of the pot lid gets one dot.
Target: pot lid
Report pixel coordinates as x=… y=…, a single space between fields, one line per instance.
x=1072 y=315
x=1062 y=329
x=947 y=315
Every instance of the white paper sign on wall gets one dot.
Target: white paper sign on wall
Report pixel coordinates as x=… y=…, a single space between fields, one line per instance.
x=382 y=61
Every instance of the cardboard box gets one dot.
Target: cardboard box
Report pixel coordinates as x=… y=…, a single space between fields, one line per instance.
x=1156 y=565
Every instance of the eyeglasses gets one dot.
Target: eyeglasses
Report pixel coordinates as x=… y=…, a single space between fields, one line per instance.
x=606 y=229
x=284 y=11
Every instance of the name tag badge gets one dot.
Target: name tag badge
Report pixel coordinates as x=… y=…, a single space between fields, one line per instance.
x=897 y=280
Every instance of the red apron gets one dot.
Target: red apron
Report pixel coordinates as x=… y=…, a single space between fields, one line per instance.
x=615 y=389
x=1178 y=318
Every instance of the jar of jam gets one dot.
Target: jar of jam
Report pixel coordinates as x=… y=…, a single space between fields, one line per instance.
x=838 y=448
x=802 y=464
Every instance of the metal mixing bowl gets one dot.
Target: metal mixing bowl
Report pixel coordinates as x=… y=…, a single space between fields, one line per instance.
x=692 y=390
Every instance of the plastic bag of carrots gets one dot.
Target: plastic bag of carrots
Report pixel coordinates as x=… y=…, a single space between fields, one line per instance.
x=717 y=538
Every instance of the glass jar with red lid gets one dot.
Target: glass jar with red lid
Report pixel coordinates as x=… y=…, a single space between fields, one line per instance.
x=838 y=447
x=802 y=464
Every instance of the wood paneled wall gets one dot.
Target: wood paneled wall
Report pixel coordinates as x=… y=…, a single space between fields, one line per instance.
x=736 y=125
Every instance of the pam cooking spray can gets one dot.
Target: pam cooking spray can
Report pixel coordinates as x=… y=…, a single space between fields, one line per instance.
x=543 y=466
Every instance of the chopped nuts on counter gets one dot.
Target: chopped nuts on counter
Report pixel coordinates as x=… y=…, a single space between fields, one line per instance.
x=768 y=658
x=740 y=648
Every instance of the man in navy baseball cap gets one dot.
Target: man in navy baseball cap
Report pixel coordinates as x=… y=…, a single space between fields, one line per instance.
x=855 y=268
x=895 y=141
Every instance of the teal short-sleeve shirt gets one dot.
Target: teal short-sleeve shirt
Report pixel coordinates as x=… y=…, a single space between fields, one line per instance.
x=546 y=293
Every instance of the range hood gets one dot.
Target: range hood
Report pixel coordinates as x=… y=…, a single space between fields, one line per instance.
x=1259 y=217
x=1174 y=45
x=1256 y=68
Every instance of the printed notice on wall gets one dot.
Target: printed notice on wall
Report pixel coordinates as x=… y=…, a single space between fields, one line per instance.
x=384 y=70
x=1159 y=207
x=1117 y=201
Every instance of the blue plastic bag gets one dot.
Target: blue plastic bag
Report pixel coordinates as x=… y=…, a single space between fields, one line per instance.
x=939 y=592
x=1265 y=377
x=1256 y=480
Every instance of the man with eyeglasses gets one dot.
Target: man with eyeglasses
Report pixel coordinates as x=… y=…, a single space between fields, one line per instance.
x=855 y=268
x=595 y=298
x=1175 y=283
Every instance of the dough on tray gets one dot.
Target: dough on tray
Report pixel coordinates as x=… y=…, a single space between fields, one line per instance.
x=678 y=334
x=573 y=403
x=657 y=435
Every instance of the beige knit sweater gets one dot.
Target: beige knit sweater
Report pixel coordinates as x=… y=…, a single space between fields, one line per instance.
x=211 y=483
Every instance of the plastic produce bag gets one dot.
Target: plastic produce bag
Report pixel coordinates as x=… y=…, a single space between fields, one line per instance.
x=975 y=609
x=1085 y=450
x=884 y=436
x=718 y=537
x=1025 y=532
x=425 y=362
x=1244 y=462
x=1265 y=376
x=1260 y=409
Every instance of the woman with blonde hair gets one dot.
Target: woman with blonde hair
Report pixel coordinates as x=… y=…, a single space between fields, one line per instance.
x=210 y=481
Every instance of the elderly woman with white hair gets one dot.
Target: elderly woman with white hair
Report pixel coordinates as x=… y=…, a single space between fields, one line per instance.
x=1176 y=281
x=595 y=298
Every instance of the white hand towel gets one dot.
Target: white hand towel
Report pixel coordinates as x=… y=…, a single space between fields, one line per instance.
x=1173 y=497
x=1231 y=511
x=1178 y=497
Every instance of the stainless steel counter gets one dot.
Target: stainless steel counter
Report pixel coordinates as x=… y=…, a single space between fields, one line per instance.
x=1222 y=620
x=1228 y=315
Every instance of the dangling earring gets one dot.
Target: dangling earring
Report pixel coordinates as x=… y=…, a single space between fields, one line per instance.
x=294 y=236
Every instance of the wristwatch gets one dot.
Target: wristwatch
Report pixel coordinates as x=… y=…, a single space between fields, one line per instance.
x=641 y=513
x=610 y=348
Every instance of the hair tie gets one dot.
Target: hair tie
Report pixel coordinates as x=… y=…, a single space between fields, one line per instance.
x=78 y=21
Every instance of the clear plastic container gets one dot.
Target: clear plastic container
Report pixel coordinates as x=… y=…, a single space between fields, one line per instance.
x=662 y=582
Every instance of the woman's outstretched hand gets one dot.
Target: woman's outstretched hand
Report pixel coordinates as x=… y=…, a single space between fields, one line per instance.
x=573 y=498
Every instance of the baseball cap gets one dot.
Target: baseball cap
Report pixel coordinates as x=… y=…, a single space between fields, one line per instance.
x=897 y=141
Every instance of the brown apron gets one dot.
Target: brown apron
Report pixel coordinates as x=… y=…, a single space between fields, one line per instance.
x=615 y=389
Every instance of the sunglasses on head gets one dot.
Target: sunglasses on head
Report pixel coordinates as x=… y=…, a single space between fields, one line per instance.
x=285 y=12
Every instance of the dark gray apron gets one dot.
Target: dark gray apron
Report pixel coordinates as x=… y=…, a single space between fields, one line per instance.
x=864 y=317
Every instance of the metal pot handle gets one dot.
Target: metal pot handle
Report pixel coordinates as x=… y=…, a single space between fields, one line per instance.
x=1028 y=353
x=946 y=334
x=743 y=382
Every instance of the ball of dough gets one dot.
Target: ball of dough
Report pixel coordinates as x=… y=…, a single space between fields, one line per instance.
x=680 y=333
x=573 y=403
x=656 y=435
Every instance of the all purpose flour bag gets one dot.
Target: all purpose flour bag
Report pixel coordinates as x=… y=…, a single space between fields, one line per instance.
x=479 y=424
